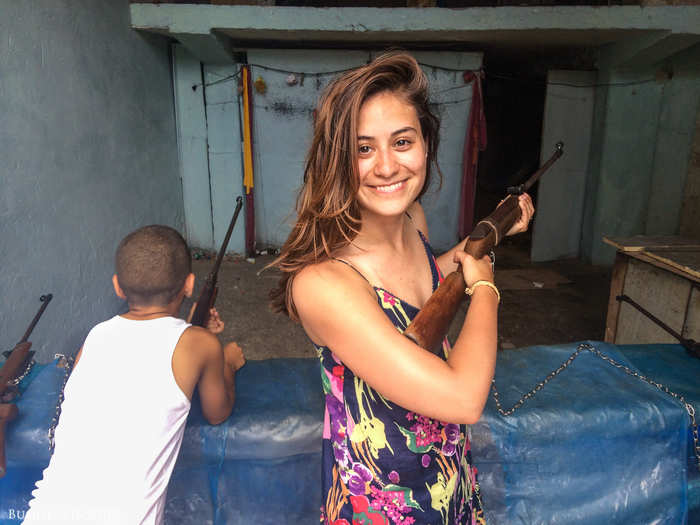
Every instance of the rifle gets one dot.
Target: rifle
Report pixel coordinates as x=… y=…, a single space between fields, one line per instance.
x=430 y=325
x=18 y=360
x=691 y=346
x=207 y=297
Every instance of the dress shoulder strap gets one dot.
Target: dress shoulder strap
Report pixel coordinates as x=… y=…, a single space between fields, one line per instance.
x=434 y=268
x=354 y=268
x=422 y=235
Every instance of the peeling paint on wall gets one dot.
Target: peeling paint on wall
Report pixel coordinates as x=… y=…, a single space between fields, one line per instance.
x=285 y=108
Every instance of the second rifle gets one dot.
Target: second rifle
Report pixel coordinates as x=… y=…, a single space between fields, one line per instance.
x=18 y=361
x=207 y=297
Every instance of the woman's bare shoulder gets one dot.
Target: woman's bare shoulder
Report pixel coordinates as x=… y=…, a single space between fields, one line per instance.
x=321 y=292
x=330 y=275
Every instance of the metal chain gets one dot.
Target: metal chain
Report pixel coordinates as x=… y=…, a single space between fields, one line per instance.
x=585 y=346
x=16 y=380
x=67 y=363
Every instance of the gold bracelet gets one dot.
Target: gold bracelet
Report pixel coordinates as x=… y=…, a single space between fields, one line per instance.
x=470 y=290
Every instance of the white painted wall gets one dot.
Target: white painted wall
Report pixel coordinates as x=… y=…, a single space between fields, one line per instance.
x=224 y=153
x=282 y=120
x=282 y=133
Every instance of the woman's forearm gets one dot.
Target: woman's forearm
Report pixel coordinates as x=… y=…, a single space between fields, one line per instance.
x=473 y=356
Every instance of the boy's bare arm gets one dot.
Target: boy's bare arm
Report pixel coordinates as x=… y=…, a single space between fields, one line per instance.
x=217 y=387
x=199 y=361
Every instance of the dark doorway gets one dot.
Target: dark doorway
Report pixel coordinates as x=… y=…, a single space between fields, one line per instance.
x=514 y=95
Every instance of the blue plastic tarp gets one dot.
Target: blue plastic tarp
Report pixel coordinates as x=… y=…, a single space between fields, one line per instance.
x=595 y=445
x=262 y=465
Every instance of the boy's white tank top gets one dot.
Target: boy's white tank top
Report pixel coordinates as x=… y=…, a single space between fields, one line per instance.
x=120 y=430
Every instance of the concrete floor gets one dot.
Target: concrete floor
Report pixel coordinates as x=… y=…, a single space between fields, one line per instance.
x=572 y=310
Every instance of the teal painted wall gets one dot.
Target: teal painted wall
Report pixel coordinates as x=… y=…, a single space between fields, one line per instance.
x=677 y=124
x=642 y=136
x=568 y=116
x=626 y=160
x=88 y=149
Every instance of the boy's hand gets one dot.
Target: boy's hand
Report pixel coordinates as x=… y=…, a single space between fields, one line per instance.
x=233 y=356
x=215 y=325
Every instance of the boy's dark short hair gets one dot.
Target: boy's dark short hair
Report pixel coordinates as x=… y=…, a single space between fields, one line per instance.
x=152 y=264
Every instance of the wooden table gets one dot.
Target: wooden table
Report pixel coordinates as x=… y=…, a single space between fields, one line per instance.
x=662 y=274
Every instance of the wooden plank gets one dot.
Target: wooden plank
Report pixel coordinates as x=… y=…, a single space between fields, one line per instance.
x=644 y=256
x=617 y=283
x=685 y=261
x=640 y=243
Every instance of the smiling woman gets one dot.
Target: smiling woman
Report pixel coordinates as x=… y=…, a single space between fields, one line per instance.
x=391 y=162
x=357 y=267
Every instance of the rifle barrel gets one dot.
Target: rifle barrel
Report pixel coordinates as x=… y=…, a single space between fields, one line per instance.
x=222 y=251
x=535 y=176
x=45 y=299
x=659 y=322
x=207 y=296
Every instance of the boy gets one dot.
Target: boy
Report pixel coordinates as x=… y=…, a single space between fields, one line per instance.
x=128 y=397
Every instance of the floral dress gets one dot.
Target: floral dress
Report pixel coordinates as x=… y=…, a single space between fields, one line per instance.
x=384 y=465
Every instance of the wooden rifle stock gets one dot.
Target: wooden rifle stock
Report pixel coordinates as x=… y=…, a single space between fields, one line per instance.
x=207 y=297
x=17 y=361
x=431 y=324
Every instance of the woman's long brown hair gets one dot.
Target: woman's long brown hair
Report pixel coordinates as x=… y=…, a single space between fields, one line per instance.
x=328 y=216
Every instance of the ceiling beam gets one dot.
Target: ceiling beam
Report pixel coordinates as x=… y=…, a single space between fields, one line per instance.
x=645 y=51
x=210 y=31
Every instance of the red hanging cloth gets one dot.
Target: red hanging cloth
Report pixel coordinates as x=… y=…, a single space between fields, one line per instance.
x=474 y=141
